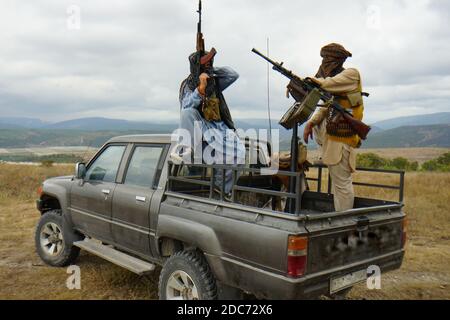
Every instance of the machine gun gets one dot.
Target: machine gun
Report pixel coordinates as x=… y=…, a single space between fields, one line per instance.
x=309 y=95
x=359 y=127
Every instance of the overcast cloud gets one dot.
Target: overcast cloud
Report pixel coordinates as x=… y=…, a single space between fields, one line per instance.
x=128 y=58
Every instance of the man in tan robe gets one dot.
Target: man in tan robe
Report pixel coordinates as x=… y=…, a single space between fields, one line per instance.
x=337 y=149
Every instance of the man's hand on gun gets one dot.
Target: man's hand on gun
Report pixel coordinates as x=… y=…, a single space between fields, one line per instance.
x=203 y=83
x=308 y=132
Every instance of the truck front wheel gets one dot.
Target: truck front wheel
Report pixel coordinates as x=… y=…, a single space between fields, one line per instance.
x=186 y=276
x=54 y=239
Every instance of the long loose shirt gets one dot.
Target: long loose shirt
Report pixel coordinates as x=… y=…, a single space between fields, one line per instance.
x=345 y=82
x=216 y=133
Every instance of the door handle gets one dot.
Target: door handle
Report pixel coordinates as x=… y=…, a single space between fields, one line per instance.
x=106 y=191
x=139 y=198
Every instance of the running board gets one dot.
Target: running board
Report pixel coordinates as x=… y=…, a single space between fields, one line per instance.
x=119 y=258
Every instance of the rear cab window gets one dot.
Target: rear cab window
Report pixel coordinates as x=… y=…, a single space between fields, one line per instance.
x=143 y=167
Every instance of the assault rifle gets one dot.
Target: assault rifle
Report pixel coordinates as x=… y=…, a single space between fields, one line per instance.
x=201 y=58
x=359 y=127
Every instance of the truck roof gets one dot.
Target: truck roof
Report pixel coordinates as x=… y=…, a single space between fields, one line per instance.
x=148 y=138
x=143 y=138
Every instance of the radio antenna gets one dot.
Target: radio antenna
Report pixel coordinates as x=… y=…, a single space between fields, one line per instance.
x=87 y=150
x=268 y=94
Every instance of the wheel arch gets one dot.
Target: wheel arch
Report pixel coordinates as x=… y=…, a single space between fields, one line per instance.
x=56 y=197
x=178 y=233
x=48 y=203
x=168 y=246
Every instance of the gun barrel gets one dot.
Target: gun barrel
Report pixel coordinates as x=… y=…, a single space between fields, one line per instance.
x=264 y=57
x=199 y=11
x=257 y=52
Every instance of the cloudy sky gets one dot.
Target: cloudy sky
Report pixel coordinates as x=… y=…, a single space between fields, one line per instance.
x=127 y=58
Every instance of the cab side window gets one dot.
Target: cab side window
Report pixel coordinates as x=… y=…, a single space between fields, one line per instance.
x=143 y=166
x=105 y=167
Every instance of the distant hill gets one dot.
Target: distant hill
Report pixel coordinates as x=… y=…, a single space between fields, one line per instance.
x=419 y=120
x=14 y=137
x=86 y=124
x=21 y=122
x=100 y=124
x=410 y=136
x=21 y=138
x=375 y=129
x=106 y=124
x=27 y=132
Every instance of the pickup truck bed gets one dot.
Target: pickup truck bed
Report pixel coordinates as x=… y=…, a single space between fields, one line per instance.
x=247 y=246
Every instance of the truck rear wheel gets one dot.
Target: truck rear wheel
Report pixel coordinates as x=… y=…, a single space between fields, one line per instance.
x=54 y=239
x=187 y=276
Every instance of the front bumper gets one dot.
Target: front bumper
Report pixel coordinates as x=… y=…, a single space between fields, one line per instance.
x=268 y=285
x=39 y=205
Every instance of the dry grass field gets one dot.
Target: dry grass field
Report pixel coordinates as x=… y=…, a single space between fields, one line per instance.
x=425 y=273
x=412 y=154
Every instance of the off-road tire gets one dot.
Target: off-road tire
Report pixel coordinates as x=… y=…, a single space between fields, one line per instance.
x=69 y=252
x=194 y=264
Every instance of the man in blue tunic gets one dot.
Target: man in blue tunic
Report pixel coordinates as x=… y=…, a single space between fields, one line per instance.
x=204 y=107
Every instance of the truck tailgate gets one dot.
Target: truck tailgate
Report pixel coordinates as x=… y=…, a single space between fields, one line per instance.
x=338 y=239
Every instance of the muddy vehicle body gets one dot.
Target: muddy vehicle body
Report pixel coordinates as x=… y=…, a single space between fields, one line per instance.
x=132 y=206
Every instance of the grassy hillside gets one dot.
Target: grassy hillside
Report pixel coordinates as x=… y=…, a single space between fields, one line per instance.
x=403 y=137
x=19 y=138
x=105 y=124
x=419 y=120
x=410 y=136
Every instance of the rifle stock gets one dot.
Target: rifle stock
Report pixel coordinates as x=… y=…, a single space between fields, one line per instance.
x=361 y=129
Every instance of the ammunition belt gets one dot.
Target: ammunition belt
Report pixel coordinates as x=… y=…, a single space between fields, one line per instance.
x=337 y=126
x=211 y=109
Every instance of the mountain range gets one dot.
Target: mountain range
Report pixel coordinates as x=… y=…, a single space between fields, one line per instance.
x=419 y=120
x=100 y=124
x=412 y=131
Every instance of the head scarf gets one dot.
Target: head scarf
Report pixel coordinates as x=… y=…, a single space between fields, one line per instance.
x=334 y=56
x=192 y=81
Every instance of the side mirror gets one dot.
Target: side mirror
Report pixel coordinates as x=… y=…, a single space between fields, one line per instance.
x=80 y=170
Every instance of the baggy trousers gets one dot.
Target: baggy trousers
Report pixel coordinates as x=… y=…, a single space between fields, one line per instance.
x=340 y=173
x=188 y=119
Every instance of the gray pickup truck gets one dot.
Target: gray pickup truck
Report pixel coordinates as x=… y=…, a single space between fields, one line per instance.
x=132 y=206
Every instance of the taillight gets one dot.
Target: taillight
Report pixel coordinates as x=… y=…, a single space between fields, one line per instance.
x=404 y=231
x=297 y=255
